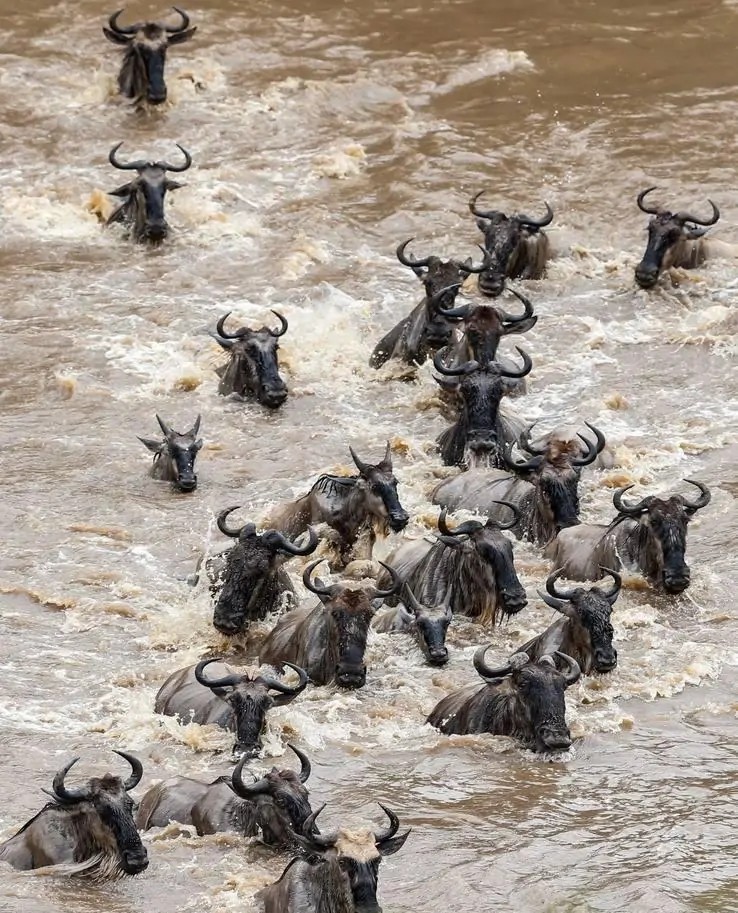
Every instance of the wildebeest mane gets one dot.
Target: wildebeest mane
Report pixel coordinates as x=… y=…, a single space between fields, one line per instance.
x=335 y=486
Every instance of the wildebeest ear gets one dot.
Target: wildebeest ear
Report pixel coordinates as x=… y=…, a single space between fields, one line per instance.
x=393 y=844
x=179 y=37
x=153 y=446
x=481 y=224
x=198 y=444
x=115 y=38
x=174 y=185
x=125 y=190
x=522 y=327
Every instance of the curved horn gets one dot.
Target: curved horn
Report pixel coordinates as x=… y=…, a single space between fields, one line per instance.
x=687 y=217
x=322 y=840
x=516 y=661
x=274 y=685
x=564 y=607
x=478 y=212
x=450 y=313
x=122 y=29
x=196 y=426
x=612 y=594
x=290 y=548
x=247 y=790
x=527 y=313
x=520 y=372
x=704 y=498
x=360 y=464
x=305 y=768
x=319 y=591
x=61 y=791
x=396 y=583
x=123 y=166
x=592 y=449
x=651 y=211
x=136 y=770
x=394 y=825
x=185 y=22
x=629 y=510
x=220 y=329
x=226 y=681
x=283 y=321
x=407 y=261
x=469 y=367
x=526 y=444
x=164 y=427
x=469 y=526
x=514 y=466
x=233 y=533
x=475 y=270
x=516 y=516
x=537 y=223
x=409 y=599
x=551 y=586
x=176 y=168
x=437 y=297
x=572 y=672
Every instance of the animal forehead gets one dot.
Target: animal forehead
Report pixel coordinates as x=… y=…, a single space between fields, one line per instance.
x=109 y=784
x=182 y=441
x=152 y=174
x=666 y=508
x=541 y=674
x=358 y=845
x=350 y=602
x=261 y=338
x=482 y=317
x=590 y=604
x=283 y=778
x=151 y=34
x=251 y=690
x=558 y=471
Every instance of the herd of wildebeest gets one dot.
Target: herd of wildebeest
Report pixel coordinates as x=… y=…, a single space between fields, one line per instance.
x=519 y=483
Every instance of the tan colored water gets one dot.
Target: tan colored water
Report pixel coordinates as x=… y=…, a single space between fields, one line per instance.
x=323 y=134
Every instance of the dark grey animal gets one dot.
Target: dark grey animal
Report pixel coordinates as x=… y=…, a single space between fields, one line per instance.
x=469 y=568
x=427 y=328
x=89 y=828
x=174 y=457
x=522 y=698
x=429 y=624
x=275 y=805
x=328 y=640
x=674 y=239
x=142 y=210
x=516 y=246
x=340 y=872
x=236 y=701
x=649 y=537
x=253 y=367
x=357 y=507
x=141 y=76
x=585 y=632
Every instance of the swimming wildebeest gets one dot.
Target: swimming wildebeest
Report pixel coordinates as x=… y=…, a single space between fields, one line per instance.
x=275 y=804
x=357 y=507
x=585 y=632
x=429 y=624
x=141 y=76
x=516 y=246
x=674 y=239
x=427 y=328
x=143 y=207
x=174 y=457
x=481 y=432
x=234 y=700
x=253 y=578
x=545 y=488
x=523 y=698
x=340 y=872
x=328 y=640
x=89 y=828
x=253 y=366
x=649 y=536
x=470 y=568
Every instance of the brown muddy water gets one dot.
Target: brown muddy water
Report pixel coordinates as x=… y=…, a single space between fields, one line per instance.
x=322 y=135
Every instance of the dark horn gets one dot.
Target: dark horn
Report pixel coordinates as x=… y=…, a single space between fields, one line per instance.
x=516 y=516
x=220 y=329
x=652 y=211
x=564 y=607
x=247 y=790
x=291 y=548
x=520 y=372
x=469 y=526
x=396 y=583
x=469 y=367
x=360 y=464
x=164 y=427
x=136 y=770
x=319 y=591
x=305 y=768
x=478 y=212
x=325 y=841
x=283 y=321
x=475 y=270
x=394 y=825
x=704 y=498
x=551 y=586
x=176 y=168
x=599 y=446
x=538 y=223
x=487 y=671
x=196 y=426
x=179 y=28
x=122 y=29
x=586 y=458
x=409 y=600
x=438 y=296
x=233 y=533
x=572 y=672
x=123 y=166
x=61 y=791
x=612 y=594
x=226 y=681
x=633 y=510
x=511 y=318
x=407 y=261
x=274 y=685
x=526 y=444
x=451 y=313
x=515 y=466
x=687 y=217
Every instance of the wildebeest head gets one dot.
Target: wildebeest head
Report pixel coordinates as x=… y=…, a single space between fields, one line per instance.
x=504 y=241
x=538 y=689
x=109 y=811
x=380 y=487
x=250 y=585
x=349 y=612
x=666 y=232
x=589 y=612
x=485 y=325
x=431 y=624
x=662 y=533
x=249 y=698
x=180 y=450
x=144 y=196
x=141 y=76
x=490 y=556
x=254 y=365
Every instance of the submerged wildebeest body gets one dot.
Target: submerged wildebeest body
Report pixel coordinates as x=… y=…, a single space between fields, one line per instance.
x=234 y=700
x=174 y=457
x=340 y=872
x=427 y=328
x=253 y=367
x=142 y=210
x=275 y=804
x=523 y=699
x=515 y=245
x=354 y=506
x=252 y=574
x=469 y=568
x=328 y=640
x=674 y=239
x=649 y=537
x=544 y=487
x=89 y=828
x=141 y=76
x=584 y=632
x=428 y=624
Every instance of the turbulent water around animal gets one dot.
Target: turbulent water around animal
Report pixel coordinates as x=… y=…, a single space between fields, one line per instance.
x=323 y=134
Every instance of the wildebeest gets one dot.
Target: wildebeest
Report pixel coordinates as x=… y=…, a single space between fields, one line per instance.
x=174 y=457
x=357 y=507
x=141 y=76
x=673 y=240
x=523 y=698
x=340 y=872
x=649 y=536
x=328 y=640
x=253 y=366
x=234 y=700
x=429 y=624
x=585 y=632
x=516 y=246
x=143 y=207
x=252 y=577
x=481 y=431
x=275 y=804
x=470 y=568
x=427 y=328
x=545 y=488
x=89 y=828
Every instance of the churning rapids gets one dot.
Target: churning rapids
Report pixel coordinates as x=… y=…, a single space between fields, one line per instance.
x=322 y=135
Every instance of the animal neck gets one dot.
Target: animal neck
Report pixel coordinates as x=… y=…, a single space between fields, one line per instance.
x=332 y=894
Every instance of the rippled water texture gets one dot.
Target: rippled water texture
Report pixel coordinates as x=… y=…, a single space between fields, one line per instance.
x=323 y=134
